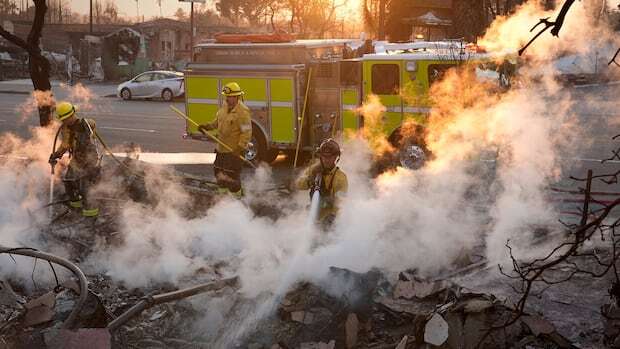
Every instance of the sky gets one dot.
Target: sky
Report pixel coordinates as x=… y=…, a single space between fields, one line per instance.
x=147 y=8
x=150 y=8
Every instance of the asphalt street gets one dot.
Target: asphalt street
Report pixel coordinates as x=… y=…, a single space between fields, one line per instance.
x=153 y=127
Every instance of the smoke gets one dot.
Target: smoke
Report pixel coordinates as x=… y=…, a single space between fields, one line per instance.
x=24 y=180
x=583 y=31
x=80 y=95
x=401 y=219
x=35 y=100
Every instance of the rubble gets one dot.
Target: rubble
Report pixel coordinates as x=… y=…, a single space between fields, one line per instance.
x=375 y=309
x=436 y=330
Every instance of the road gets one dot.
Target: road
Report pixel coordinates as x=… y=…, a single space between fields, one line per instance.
x=153 y=127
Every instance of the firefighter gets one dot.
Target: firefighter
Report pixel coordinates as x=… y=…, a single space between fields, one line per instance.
x=78 y=138
x=327 y=178
x=234 y=128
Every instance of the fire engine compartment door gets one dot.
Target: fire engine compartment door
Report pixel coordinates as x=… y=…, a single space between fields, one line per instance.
x=350 y=99
x=283 y=125
x=202 y=100
x=350 y=95
x=383 y=79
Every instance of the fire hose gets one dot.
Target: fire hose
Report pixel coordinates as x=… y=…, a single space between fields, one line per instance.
x=83 y=282
x=150 y=301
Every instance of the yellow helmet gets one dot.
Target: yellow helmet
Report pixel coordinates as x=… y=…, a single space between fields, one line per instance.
x=64 y=110
x=232 y=89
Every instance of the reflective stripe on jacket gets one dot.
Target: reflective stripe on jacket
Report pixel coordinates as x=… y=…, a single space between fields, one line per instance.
x=234 y=128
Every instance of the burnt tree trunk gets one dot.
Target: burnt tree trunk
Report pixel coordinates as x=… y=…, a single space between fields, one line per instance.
x=39 y=65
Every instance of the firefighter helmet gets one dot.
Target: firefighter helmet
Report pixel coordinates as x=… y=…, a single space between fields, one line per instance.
x=232 y=89
x=64 y=110
x=329 y=147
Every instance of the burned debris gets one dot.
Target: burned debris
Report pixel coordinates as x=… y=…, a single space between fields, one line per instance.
x=379 y=315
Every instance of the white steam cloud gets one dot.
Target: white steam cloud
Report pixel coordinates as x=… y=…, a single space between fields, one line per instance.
x=402 y=219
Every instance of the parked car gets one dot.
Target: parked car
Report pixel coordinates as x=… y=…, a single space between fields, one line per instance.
x=153 y=84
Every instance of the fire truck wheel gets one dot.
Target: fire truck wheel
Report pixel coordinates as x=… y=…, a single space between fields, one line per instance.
x=411 y=152
x=126 y=94
x=167 y=95
x=264 y=152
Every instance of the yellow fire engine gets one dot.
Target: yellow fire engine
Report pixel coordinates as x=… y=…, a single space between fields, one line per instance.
x=304 y=91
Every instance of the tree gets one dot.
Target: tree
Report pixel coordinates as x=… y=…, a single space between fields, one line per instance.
x=395 y=29
x=7 y=7
x=39 y=66
x=470 y=23
x=180 y=14
x=110 y=12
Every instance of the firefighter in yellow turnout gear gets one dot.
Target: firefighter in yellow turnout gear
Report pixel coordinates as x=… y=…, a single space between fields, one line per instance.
x=234 y=128
x=78 y=138
x=332 y=181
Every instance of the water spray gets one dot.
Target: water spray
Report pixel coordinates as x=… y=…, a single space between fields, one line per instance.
x=52 y=165
x=315 y=200
x=51 y=208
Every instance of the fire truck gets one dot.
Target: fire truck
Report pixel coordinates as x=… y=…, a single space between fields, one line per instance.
x=301 y=92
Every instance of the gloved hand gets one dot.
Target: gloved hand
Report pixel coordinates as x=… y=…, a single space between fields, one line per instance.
x=204 y=128
x=249 y=153
x=315 y=170
x=53 y=159
x=315 y=184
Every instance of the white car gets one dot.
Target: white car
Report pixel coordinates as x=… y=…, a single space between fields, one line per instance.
x=153 y=84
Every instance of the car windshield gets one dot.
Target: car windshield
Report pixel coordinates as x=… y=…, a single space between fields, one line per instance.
x=143 y=77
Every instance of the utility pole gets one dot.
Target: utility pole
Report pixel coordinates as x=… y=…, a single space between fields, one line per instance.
x=91 y=17
x=191 y=34
x=138 y=10
x=191 y=25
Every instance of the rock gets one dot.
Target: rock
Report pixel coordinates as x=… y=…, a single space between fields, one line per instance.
x=38 y=315
x=298 y=316
x=40 y=310
x=403 y=343
x=538 y=325
x=477 y=305
x=351 y=329
x=72 y=285
x=408 y=286
x=436 y=330
x=418 y=308
x=404 y=289
x=48 y=300
x=423 y=289
x=255 y=346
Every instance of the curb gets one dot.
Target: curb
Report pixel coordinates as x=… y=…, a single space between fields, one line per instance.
x=28 y=92
x=15 y=92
